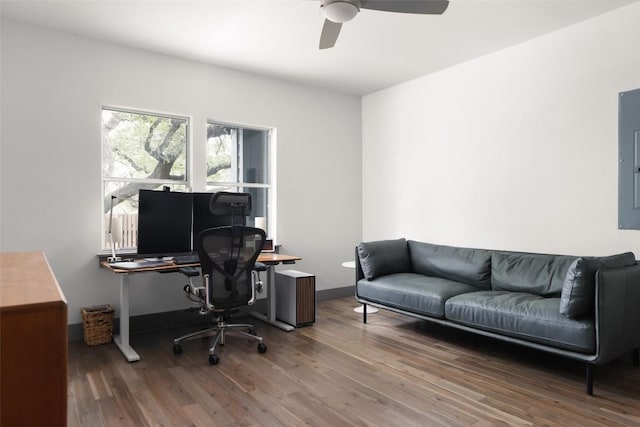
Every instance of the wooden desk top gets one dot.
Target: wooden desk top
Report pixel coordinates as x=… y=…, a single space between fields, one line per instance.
x=265 y=258
x=26 y=279
x=273 y=258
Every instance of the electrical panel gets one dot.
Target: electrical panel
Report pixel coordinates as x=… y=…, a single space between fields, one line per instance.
x=629 y=160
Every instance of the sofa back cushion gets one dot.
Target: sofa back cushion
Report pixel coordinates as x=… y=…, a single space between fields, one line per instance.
x=537 y=274
x=470 y=266
x=579 y=289
x=384 y=257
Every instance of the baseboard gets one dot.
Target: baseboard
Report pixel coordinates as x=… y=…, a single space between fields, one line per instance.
x=170 y=319
x=336 y=293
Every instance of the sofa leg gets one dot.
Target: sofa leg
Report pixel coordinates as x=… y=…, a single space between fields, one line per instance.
x=636 y=356
x=364 y=313
x=589 y=379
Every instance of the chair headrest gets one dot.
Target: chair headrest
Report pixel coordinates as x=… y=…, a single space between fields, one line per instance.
x=226 y=203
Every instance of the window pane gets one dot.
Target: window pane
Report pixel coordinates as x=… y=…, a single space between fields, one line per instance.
x=236 y=154
x=137 y=148
x=137 y=145
x=125 y=219
x=222 y=142
x=124 y=224
x=254 y=156
x=259 y=203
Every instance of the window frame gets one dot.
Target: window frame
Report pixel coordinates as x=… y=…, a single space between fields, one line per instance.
x=192 y=169
x=269 y=186
x=185 y=182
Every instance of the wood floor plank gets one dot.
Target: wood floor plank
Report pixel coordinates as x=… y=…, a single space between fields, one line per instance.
x=153 y=413
x=200 y=396
x=392 y=371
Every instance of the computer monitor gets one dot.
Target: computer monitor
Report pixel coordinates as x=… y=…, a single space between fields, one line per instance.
x=164 y=222
x=202 y=217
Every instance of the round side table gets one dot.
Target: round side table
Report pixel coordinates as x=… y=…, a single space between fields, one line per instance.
x=360 y=308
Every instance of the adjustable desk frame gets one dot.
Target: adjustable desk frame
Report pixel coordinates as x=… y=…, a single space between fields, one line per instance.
x=270 y=260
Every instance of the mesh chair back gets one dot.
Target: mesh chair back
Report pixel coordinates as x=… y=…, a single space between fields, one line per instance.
x=228 y=255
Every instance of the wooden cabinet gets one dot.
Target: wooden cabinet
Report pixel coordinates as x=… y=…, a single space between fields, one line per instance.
x=33 y=342
x=295 y=297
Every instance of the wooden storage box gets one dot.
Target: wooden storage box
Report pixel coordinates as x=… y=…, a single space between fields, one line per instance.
x=97 y=323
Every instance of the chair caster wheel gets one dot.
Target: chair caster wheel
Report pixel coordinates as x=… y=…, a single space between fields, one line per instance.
x=262 y=348
x=213 y=359
x=177 y=349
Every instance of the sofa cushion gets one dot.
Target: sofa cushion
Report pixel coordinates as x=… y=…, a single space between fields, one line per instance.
x=578 y=292
x=521 y=315
x=422 y=295
x=383 y=257
x=466 y=265
x=536 y=274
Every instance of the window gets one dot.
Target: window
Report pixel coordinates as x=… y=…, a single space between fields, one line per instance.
x=142 y=150
x=139 y=151
x=238 y=161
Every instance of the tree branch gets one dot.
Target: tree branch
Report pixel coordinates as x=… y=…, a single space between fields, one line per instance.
x=147 y=142
x=218 y=130
x=128 y=159
x=175 y=125
x=217 y=168
x=126 y=192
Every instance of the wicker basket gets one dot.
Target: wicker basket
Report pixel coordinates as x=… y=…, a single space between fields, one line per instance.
x=97 y=322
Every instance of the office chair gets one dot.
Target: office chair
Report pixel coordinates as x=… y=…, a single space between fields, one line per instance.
x=230 y=280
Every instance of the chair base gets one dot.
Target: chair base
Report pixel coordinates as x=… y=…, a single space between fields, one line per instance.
x=218 y=334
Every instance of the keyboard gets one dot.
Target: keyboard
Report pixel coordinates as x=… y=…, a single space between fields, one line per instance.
x=132 y=265
x=186 y=259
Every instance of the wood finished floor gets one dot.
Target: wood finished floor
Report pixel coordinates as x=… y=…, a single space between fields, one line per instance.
x=393 y=371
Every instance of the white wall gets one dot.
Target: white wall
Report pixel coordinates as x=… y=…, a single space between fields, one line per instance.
x=515 y=150
x=53 y=86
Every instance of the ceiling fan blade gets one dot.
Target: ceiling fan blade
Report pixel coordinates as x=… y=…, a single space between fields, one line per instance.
x=431 y=7
x=329 y=35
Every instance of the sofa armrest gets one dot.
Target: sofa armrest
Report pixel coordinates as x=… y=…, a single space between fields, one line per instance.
x=359 y=272
x=617 y=312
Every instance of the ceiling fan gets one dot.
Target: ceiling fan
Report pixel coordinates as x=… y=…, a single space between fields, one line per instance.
x=337 y=12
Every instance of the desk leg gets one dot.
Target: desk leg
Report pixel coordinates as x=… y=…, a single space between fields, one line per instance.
x=270 y=317
x=122 y=340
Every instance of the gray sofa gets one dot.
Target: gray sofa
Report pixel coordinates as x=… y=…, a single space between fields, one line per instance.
x=584 y=308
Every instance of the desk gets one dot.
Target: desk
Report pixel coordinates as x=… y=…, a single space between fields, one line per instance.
x=122 y=340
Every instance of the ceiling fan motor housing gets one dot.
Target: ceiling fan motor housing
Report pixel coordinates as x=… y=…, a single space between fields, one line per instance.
x=340 y=11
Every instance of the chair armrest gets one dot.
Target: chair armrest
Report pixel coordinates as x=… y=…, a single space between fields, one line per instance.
x=258 y=266
x=617 y=312
x=189 y=271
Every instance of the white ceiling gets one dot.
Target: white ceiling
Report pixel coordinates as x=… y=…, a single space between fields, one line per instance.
x=279 y=38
